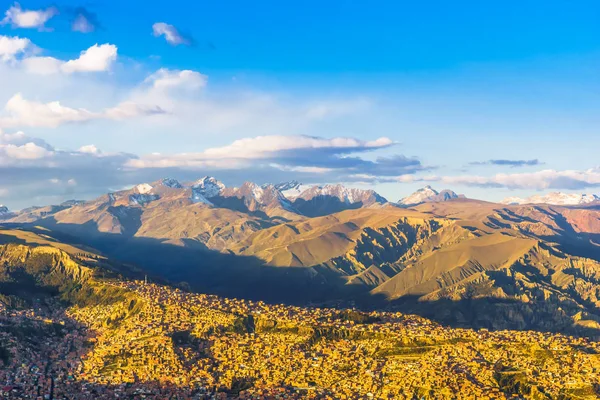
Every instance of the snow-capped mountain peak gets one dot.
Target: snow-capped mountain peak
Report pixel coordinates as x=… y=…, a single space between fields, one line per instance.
x=555 y=198
x=420 y=196
x=257 y=191
x=208 y=187
x=3 y=209
x=292 y=189
x=428 y=194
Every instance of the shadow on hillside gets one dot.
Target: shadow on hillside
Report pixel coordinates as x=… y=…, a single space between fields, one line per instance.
x=322 y=205
x=201 y=269
x=573 y=242
x=191 y=266
x=239 y=204
x=493 y=314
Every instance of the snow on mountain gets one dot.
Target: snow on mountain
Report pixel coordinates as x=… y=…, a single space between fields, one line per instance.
x=257 y=192
x=143 y=188
x=3 y=210
x=72 y=203
x=428 y=195
x=142 y=198
x=197 y=197
x=208 y=187
x=343 y=194
x=256 y=197
x=292 y=189
x=555 y=198
x=266 y=195
x=171 y=183
x=420 y=196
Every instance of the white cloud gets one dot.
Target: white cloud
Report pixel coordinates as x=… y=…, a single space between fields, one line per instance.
x=11 y=47
x=95 y=59
x=20 y=138
x=259 y=146
x=165 y=79
x=22 y=112
x=291 y=152
x=540 y=180
x=89 y=149
x=42 y=65
x=28 y=151
x=98 y=58
x=170 y=33
x=18 y=146
x=130 y=109
x=20 y=18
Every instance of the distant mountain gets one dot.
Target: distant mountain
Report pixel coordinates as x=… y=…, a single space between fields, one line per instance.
x=555 y=198
x=71 y=203
x=328 y=199
x=429 y=195
x=208 y=187
x=32 y=214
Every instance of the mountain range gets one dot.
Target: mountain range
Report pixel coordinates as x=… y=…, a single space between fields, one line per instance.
x=555 y=198
x=439 y=254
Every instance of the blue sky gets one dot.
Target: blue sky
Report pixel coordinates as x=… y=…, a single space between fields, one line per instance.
x=491 y=100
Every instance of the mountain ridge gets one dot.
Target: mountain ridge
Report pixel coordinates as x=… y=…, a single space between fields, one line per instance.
x=555 y=198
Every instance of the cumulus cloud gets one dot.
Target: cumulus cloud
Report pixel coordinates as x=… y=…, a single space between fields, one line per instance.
x=19 y=18
x=21 y=112
x=17 y=147
x=11 y=47
x=509 y=163
x=28 y=151
x=95 y=59
x=171 y=34
x=165 y=79
x=20 y=138
x=98 y=58
x=89 y=149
